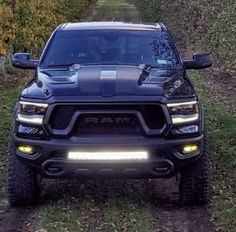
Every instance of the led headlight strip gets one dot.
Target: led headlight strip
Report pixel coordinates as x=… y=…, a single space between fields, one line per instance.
x=31 y=112
x=184 y=112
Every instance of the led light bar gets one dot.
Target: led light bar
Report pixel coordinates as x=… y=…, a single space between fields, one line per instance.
x=34 y=104
x=108 y=156
x=181 y=104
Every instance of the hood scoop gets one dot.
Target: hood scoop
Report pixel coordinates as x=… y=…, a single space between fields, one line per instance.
x=107 y=83
x=99 y=81
x=155 y=76
x=57 y=77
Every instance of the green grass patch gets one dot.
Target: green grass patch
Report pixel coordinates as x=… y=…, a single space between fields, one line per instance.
x=65 y=215
x=108 y=10
x=221 y=127
x=68 y=215
x=132 y=217
x=111 y=205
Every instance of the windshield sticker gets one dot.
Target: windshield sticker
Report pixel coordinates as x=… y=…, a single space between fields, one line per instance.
x=164 y=62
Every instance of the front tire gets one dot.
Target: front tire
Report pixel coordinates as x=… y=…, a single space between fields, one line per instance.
x=22 y=187
x=194 y=187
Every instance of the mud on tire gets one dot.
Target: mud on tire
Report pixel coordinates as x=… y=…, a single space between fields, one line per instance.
x=21 y=184
x=194 y=187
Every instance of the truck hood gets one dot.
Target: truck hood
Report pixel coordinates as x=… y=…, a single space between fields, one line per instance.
x=105 y=81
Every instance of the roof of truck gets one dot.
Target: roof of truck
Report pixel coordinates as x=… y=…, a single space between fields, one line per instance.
x=111 y=25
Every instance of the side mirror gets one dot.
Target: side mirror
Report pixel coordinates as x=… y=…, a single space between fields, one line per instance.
x=199 y=61
x=23 y=61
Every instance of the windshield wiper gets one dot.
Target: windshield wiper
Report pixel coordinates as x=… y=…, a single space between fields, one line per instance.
x=111 y=63
x=60 y=65
x=148 y=67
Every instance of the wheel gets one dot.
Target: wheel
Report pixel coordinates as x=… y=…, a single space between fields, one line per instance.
x=194 y=187
x=21 y=184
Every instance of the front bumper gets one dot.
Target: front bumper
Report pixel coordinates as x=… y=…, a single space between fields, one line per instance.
x=165 y=160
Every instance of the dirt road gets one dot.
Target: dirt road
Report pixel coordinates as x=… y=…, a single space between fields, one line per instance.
x=156 y=202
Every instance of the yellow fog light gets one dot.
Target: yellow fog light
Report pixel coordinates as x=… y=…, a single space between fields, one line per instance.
x=26 y=149
x=190 y=148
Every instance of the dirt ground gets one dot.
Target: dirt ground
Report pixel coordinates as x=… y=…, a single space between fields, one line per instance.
x=161 y=196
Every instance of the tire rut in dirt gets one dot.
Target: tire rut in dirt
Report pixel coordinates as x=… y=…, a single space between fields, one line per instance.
x=161 y=196
x=102 y=196
x=14 y=219
x=171 y=217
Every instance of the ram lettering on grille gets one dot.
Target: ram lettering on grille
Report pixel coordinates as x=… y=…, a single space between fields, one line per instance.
x=107 y=120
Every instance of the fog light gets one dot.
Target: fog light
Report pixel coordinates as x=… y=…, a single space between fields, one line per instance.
x=190 y=148
x=26 y=149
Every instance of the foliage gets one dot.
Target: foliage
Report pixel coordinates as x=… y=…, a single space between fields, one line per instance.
x=221 y=126
x=150 y=9
x=205 y=24
x=6 y=30
x=34 y=20
x=26 y=24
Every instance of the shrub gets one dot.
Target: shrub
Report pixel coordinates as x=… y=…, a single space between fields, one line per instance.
x=26 y=24
x=203 y=24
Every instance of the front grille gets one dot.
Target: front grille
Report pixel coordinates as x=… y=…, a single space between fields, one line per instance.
x=61 y=117
x=123 y=122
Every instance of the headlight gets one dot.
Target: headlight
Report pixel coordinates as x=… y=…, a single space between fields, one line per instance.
x=184 y=112
x=30 y=108
x=30 y=131
x=30 y=112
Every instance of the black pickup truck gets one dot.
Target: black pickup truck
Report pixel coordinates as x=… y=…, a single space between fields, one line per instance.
x=109 y=100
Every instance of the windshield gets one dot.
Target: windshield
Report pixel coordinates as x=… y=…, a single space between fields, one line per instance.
x=88 y=47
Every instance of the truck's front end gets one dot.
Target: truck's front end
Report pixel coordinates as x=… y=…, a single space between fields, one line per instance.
x=109 y=100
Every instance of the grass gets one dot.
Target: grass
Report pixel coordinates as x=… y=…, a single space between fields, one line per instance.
x=69 y=216
x=115 y=10
x=98 y=206
x=221 y=127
